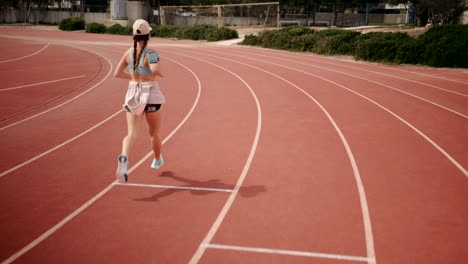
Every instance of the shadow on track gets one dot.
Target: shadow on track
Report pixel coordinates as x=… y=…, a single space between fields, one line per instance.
x=245 y=191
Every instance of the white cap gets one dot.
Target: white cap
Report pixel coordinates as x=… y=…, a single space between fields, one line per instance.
x=141 y=27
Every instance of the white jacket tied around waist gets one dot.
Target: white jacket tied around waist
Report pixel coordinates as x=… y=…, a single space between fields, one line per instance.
x=139 y=94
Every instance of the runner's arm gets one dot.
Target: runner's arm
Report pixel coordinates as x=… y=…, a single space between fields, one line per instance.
x=153 y=62
x=119 y=70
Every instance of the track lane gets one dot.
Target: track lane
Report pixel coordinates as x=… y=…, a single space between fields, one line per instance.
x=121 y=227
x=281 y=141
x=141 y=198
x=35 y=98
x=447 y=74
x=15 y=50
x=59 y=182
x=457 y=84
x=57 y=123
x=419 y=177
x=453 y=101
x=56 y=62
x=224 y=116
x=249 y=257
x=385 y=242
x=449 y=130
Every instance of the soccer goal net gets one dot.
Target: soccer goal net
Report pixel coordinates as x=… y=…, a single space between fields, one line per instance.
x=237 y=15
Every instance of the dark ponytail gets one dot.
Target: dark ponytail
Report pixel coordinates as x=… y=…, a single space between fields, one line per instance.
x=137 y=38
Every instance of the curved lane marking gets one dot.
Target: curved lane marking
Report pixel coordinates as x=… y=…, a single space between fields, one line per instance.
x=27 y=56
x=419 y=73
x=389 y=75
x=67 y=219
x=222 y=214
x=70 y=100
x=440 y=149
x=360 y=186
x=365 y=79
x=40 y=83
x=59 y=145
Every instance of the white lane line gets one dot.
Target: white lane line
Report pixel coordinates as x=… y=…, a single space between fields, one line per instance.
x=40 y=83
x=59 y=145
x=362 y=196
x=362 y=78
x=55 y=227
x=440 y=149
x=83 y=207
x=70 y=100
x=27 y=55
x=419 y=73
x=188 y=188
x=289 y=252
x=380 y=73
x=222 y=214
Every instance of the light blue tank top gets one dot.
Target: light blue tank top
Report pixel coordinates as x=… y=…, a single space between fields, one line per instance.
x=141 y=68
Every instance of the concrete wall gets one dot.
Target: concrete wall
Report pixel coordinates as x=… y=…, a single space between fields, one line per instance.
x=352 y=20
x=227 y=21
x=136 y=10
x=51 y=17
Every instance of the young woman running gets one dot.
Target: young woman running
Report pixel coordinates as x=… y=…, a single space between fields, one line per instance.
x=143 y=98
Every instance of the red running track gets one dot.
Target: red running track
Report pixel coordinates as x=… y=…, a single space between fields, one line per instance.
x=272 y=157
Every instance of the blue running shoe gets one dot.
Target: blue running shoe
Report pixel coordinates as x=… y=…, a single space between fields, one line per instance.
x=122 y=169
x=157 y=163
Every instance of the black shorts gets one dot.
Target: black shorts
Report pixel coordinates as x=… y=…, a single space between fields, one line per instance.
x=148 y=108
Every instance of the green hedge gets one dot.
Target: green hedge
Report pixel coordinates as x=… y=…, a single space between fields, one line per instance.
x=118 y=29
x=380 y=46
x=164 y=31
x=289 y=38
x=441 y=46
x=95 y=28
x=201 y=32
x=337 y=41
x=445 y=46
x=115 y=29
x=198 y=32
x=72 y=23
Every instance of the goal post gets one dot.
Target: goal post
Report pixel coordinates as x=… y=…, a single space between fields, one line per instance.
x=242 y=15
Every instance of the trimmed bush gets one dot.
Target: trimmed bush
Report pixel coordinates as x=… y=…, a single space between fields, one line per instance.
x=163 y=31
x=276 y=39
x=181 y=33
x=379 y=46
x=290 y=38
x=118 y=29
x=296 y=31
x=207 y=32
x=409 y=52
x=441 y=46
x=95 y=28
x=304 y=42
x=445 y=46
x=197 y=32
x=335 y=41
x=343 y=42
x=72 y=23
x=251 y=40
x=227 y=33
